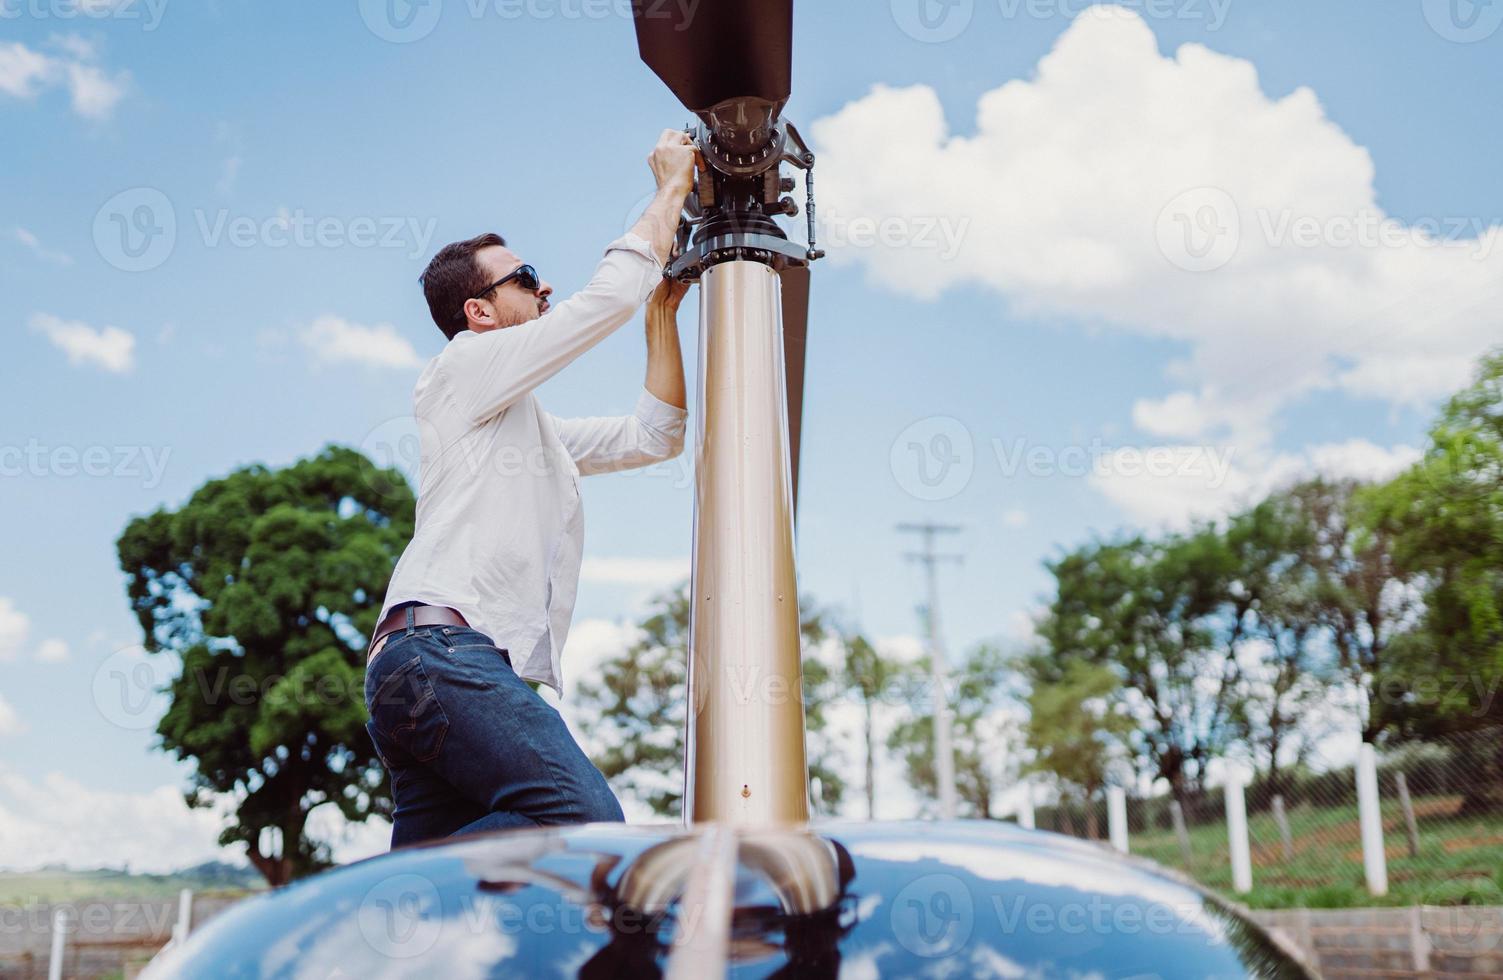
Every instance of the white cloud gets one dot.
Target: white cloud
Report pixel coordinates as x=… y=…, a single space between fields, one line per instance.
x=229 y=176
x=79 y=47
x=1015 y=518
x=905 y=647
x=56 y=820
x=591 y=643
x=1199 y=490
x=35 y=246
x=15 y=626
x=228 y=136
x=15 y=635
x=1082 y=188
x=653 y=572
x=95 y=92
x=10 y=722
x=349 y=841
x=53 y=651
x=22 y=70
x=334 y=340
x=109 y=348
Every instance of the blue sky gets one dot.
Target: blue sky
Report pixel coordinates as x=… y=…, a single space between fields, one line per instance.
x=1048 y=327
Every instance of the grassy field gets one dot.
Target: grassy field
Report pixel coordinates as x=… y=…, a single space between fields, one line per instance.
x=1460 y=859
x=22 y=889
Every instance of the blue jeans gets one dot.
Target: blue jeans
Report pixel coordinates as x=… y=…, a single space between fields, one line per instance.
x=469 y=745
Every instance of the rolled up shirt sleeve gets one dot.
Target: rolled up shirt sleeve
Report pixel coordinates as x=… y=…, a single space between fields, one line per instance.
x=487 y=372
x=655 y=432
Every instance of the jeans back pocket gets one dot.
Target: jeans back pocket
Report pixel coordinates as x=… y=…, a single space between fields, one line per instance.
x=405 y=711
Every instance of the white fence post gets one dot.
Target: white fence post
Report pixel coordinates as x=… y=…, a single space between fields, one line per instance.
x=1236 y=832
x=1374 y=861
x=1116 y=817
x=59 y=944
x=184 y=917
x=1025 y=808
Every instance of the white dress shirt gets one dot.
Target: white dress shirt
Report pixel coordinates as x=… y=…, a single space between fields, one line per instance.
x=500 y=530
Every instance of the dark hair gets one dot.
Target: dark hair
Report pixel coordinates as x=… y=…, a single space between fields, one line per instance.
x=452 y=278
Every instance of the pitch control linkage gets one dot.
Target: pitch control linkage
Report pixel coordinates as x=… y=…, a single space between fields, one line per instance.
x=729 y=216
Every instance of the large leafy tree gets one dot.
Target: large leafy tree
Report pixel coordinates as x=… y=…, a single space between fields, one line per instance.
x=1361 y=596
x=1155 y=613
x=1445 y=516
x=637 y=708
x=1076 y=727
x=1273 y=588
x=263 y=586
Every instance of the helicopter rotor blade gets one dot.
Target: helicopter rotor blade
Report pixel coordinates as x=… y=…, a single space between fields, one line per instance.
x=795 y=343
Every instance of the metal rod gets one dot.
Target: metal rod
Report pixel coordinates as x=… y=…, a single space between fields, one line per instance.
x=746 y=712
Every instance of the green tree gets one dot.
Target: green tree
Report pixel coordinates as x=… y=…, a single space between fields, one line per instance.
x=1156 y=613
x=978 y=727
x=1076 y=727
x=264 y=586
x=1445 y=516
x=1274 y=587
x=1361 y=596
x=638 y=708
x=867 y=674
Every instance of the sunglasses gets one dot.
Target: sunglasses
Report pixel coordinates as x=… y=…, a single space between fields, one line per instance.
x=526 y=277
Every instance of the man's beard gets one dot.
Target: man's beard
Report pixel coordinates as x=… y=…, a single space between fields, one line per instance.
x=513 y=320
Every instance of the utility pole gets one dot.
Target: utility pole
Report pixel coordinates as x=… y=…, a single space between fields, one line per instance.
x=944 y=752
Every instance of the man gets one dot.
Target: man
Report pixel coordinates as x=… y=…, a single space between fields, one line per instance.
x=481 y=600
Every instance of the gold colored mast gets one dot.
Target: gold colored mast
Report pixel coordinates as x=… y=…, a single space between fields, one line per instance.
x=746 y=714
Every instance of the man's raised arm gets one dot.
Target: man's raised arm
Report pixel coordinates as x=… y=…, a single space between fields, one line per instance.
x=490 y=371
x=656 y=431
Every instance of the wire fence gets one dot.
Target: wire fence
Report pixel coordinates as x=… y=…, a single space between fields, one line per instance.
x=1431 y=835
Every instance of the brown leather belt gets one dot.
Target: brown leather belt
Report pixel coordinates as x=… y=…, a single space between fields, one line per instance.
x=396 y=620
